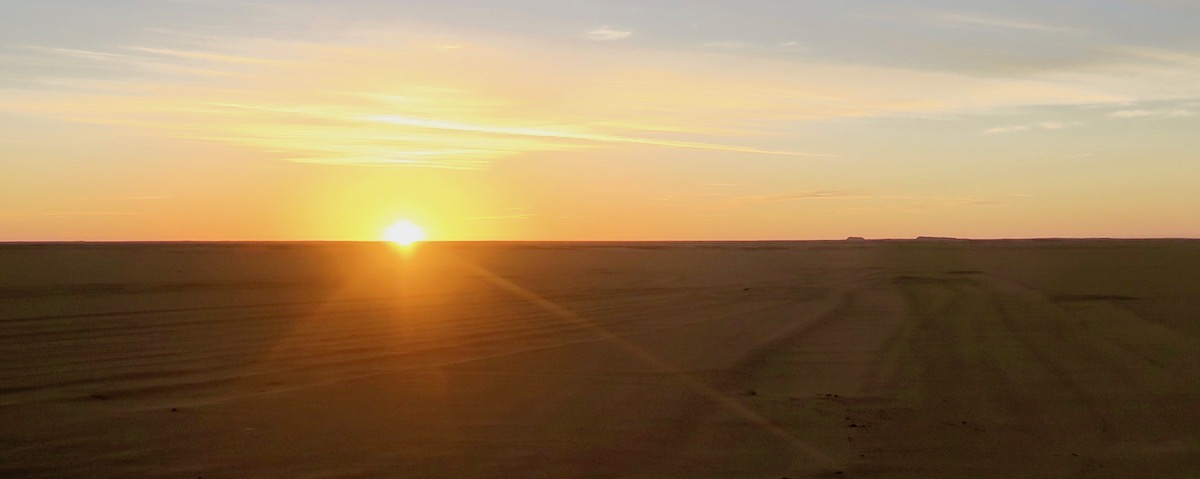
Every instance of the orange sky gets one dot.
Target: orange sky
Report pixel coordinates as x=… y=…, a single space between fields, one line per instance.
x=530 y=120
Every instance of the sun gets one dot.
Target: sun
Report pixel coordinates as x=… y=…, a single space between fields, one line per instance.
x=404 y=233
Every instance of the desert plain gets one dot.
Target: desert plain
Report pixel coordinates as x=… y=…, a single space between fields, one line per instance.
x=881 y=359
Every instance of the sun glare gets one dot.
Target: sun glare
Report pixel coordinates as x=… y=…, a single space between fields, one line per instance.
x=404 y=233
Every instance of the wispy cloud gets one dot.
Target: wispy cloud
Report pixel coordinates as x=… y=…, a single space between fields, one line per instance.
x=131 y=198
x=509 y=214
x=344 y=105
x=1055 y=155
x=1161 y=56
x=736 y=46
x=350 y=104
x=512 y=217
x=140 y=63
x=1172 y=112
x=728 y=45
x=1045 y=125
x=41 y=214
x=743 y=201
x=988 y=21
x=204 y=56
x=921 y=203
x=608 y=34
x=77 y=53
x=574 y=135
x=848 y=200
x=808 y=195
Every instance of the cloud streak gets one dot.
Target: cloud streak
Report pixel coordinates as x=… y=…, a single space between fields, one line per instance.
x=849 y=200
x=337 y=105
x=512 y=217
x=48 y=214
x=1045 y=125
x=605 y=34
x=387 y=99
x=1173 y=112
x=987 y=21
x=576 y=136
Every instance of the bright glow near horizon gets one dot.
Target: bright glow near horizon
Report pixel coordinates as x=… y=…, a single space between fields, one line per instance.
x=404 y=233
x=598 y=120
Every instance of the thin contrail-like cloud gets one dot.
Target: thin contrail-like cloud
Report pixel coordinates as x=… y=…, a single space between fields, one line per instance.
x=577 y=136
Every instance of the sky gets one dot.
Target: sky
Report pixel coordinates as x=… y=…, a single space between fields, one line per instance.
x=598 y=119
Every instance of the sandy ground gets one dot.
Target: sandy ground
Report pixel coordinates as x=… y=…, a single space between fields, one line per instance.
x=755 y=360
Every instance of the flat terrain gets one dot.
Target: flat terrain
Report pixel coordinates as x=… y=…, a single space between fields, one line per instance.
x=933 y=358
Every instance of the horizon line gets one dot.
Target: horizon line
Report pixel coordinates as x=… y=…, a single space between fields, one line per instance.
x=851 y=239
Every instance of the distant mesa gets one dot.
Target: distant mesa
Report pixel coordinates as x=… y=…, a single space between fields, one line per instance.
x=856 y=238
